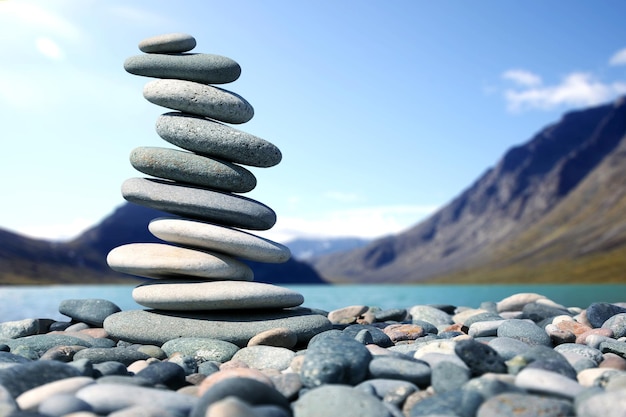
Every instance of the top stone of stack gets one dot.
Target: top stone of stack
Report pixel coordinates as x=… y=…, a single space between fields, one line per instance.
x=171 y=43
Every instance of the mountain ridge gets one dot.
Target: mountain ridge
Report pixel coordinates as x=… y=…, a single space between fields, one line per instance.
x=528 y=182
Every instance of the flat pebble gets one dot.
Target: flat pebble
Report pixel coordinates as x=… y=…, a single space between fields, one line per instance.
x=91 y=310
x=547 y=382
x=520 y=405
x=108 y=398
x=166 y=373
x=62 y=405
x=265 y=357
x=211 y=138
x=30 y=400
x=161 y=261
x=26 y=376
x=201 y=348
x=525 y=331
x=169 y=43
x=199 y=99
x=118 y=354
x=239 y=372
x=213 y=237
x=215 y=295
x=338 y=401
x=19 y=328
x=586 y=351
x=200 y=68
x=431 y=315
x=390 y=367
x=516 y=302
x=347 y=315
x=190 y=168
x=198 y=203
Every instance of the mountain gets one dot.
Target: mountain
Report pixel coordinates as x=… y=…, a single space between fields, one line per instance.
x=306 y=249
x=28 y=261
x=551 y=210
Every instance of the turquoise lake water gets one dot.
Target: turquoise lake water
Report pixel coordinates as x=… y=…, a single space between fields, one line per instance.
x=42 y=301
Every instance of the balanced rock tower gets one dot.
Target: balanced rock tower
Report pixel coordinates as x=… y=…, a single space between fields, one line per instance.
x=198 y=286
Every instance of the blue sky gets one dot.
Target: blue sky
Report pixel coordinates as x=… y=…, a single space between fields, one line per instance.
x=383 y=110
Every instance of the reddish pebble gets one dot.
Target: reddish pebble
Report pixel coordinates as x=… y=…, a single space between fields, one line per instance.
x=582 y=338
x=233 y=365
x=573 y=327
x=613 y=361
x=399 y=332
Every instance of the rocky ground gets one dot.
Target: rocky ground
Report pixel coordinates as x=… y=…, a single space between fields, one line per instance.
x=521 y=356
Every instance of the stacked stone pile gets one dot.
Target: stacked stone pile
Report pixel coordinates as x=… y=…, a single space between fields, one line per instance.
x=197 y=276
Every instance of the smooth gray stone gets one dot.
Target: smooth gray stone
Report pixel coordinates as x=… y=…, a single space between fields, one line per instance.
x=547 y=382
x=265 y=357
x=338 y=401
x=187 y=167
x=169 y=43
x=23 y=377
x=617 y=324
x=582 y=350
x=390 y=367
x=605 y=404
x=157 y=260
x=201 y=348
x=200 y=68
x=216 y=295
x=218 y=238
x=117 y=354
x=90 y=310
x=388 y=390
x=508 y=347
x=448 y=376
x=61 y=404
x=166 y=373
x=430 y=315
x=40 y=343
x=158 y=327
x=107 y=398
x=199 y=99
x=209 y=137
x=198 y=203
x=19 y=328
x=524 y=405
x=526 y=331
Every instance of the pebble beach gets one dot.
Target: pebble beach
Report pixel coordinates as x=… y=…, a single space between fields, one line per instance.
x=524 y=355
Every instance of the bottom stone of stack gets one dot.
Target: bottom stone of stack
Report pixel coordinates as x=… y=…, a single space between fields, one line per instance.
x=158 y=326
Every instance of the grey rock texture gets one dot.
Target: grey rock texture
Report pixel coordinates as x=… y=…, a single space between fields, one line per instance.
x=209 y=137
x=199 y=99
x=200 y=68
x=169 y=43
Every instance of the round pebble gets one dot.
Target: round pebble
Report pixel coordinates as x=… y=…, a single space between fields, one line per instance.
x=169 y=43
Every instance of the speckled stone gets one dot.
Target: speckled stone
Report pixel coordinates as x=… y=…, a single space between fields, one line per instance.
x=19 y=328
x=199 y=99
x=157 y=260
x=606 y=404
x=598 y=313
x=339 y=400
x=279 y=337
x=201 y=348
x=218 y=238
x=169 y=43
x=431 y=315
x=216 y=295
x=187 y=167
x=209 y=137
x=617 y=324
x=200 y=68
x=198 y=203
x=158 y=327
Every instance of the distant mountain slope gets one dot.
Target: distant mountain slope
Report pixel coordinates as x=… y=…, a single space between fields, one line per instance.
x=83 y=260
x=563 y=188
x=305 y=249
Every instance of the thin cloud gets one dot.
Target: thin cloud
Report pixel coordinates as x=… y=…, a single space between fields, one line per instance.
x=49 y=48
x=575 y=89
x=58 y=232
x=36 y=17
x=522 y=77
x=366 y=222
x=618 y=58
